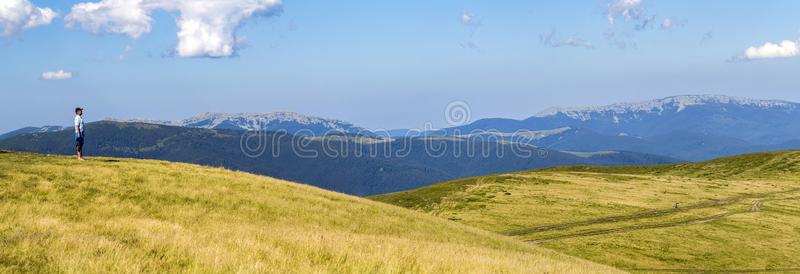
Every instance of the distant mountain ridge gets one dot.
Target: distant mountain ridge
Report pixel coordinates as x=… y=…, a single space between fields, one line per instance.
x=291 y=122
x=673 y=103
x=677 y=144
x=337 y=163
x=29 y=130
x=757 y=121
x=689 y=127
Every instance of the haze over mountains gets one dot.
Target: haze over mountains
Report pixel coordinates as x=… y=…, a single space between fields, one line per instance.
x=29 y=130
x=345 y=163
x=291 y=122
x=688 y=128
x=758 y=121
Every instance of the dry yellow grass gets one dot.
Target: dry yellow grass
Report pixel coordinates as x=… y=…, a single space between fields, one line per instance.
x=734 y=214
x=122 y=215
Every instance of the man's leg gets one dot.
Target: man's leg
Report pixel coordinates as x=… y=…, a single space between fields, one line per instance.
x=79 y=148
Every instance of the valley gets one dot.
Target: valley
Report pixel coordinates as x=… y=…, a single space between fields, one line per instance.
x=350 y=164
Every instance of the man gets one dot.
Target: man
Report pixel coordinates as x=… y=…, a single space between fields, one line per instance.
x=79 y=136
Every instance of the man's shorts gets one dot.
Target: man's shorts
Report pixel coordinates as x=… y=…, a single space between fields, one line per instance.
x=79 y=141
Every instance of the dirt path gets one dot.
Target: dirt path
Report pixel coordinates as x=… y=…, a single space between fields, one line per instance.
x=757 y=206
x=692 y=221
x=645 y=214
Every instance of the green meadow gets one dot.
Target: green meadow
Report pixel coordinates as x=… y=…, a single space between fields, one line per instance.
x=124 y=215
x=735 y=214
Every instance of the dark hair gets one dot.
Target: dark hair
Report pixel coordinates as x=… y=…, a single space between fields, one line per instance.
x=78 y=109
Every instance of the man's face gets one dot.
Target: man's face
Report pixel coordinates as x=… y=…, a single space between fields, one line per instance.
x=80 y=112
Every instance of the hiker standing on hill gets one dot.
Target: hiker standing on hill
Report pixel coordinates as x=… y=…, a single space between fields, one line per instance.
x=79 y=136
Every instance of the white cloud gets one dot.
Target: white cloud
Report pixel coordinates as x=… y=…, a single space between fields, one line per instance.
x=57 y=75
x=124 y=53
x=550 y=39
x=627 y=9
x=577 y=42
x=632 y=11
x=671 y=22
x=470 y=19
x=785 y=49
x=115 y=16
x=667 y=24
x=17 y=15
x=472 y=22
x=207 y=28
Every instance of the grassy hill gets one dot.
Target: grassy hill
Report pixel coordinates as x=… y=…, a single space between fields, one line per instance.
x=731 y=214
x=124 y=215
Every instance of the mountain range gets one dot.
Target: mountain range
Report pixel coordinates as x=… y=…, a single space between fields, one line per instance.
x=291 y=122
x=689 y=127
x=29 y=130
x=678 y=128
x=758 y=121
x=750 y=120
x=350 y=164
x=686 y=145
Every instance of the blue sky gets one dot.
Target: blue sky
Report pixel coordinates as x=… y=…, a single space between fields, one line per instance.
x=393 y=64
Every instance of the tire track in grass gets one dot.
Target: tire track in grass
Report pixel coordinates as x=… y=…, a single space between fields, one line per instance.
x=692 y=221
x=643 y=214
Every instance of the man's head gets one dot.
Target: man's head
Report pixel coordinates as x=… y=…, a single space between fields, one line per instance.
x=78 y=111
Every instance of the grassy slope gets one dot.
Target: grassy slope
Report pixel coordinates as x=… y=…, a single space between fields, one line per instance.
x=733 y=213
x=58 y=214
